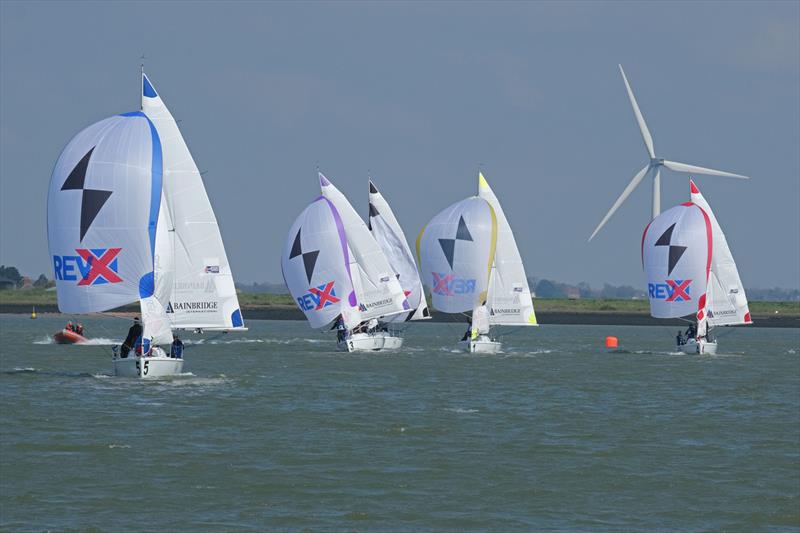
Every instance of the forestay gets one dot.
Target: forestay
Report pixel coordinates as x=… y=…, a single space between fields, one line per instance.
x=377 y=290
x=103 y=205
x=509 y=297
x=456 y=251
x=192 y=257
x=316 y=268
x=726 y=303
x=390 y=237
x=676 y=256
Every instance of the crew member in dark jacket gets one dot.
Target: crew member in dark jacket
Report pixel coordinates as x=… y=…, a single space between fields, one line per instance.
x=176 y=350
x=134 y=333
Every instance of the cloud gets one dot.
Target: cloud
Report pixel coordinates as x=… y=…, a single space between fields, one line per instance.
x=775 y=46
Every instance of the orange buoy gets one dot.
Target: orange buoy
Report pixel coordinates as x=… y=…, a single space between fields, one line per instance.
x=611 y=343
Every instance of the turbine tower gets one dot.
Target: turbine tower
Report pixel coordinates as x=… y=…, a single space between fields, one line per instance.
x=653 y=168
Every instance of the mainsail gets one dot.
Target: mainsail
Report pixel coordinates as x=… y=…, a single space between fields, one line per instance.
x=191 y=258
x=726 y=304
x=377 y=290
x=390 y=237
x=509 y=298
x=456 y=251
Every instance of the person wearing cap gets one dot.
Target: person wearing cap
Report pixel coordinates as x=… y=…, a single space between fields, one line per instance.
x=133 y=334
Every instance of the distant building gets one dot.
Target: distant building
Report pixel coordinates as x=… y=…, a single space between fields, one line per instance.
x=573 y=293
x=7 y=284
x=27 y=283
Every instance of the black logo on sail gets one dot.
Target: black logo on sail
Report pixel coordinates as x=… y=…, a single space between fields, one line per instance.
x=675 y=252
x=449 y=245
x=92 y=200
x=309 y=258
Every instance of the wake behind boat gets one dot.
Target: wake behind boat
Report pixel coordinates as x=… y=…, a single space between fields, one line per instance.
x=129 y=220
x=339 y=276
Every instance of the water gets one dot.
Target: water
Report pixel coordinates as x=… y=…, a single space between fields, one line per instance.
x=274 y=430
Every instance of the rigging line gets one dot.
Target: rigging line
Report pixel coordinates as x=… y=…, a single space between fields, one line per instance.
x=120 y=317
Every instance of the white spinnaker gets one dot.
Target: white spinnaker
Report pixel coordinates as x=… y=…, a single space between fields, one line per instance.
x=203 y=294
x=390 y=237
x=316 y=269
x=509 y=297
x=676 y=254
x=726 y=303
x=378 y=292
x=456 y=252
x=103 y=202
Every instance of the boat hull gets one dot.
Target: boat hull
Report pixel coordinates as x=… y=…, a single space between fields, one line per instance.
x=482 y=344
x=156 y=365
x=370 y=342
x=68 y=337
x=701 y=348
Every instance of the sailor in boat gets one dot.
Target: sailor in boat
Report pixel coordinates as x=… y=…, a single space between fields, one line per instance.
x=176 y=350
x=679 y=338
x=79 y=329
x=691 y=332
x=372 y=325
x=70 y=326
x=341 y=330
x=134 y=334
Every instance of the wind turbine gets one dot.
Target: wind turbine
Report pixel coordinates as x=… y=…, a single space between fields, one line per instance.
x=653 y=168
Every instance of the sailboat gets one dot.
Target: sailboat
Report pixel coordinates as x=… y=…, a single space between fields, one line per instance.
x=129 y=220
x=338 y=275
x=691 y=271
x=470 y=261
x=390 y=237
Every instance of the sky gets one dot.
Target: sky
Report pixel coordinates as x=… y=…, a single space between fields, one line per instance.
x=420 y=96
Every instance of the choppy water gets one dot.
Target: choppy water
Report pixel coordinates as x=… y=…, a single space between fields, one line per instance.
x=274 y=430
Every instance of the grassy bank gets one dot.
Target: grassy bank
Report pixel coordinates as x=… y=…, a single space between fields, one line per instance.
x=42 y=297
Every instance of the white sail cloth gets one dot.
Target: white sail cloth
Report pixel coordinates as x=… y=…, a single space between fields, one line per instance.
x=481 y=321
x=316 y=268
x=390 y=237
x=509 y=297
x=676 y=255
x=726 y=303
x=202 y=292
x=456 y=251
x=103 y=205
x=377 y=290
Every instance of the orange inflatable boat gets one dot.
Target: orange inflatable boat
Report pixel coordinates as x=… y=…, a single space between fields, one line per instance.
x=66 y=336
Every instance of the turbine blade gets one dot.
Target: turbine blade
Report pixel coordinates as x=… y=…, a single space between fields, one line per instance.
x=683 y=167
x=648 y=139
x=628 y=190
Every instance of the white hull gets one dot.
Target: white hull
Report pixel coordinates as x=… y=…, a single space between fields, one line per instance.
x=370 y=342
x=157 y=365
x=483 y=344
x=703 y=347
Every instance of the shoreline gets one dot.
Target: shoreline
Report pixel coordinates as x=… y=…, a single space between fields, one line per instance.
x=599 y=318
